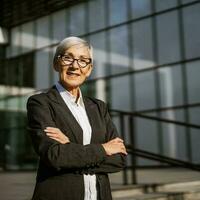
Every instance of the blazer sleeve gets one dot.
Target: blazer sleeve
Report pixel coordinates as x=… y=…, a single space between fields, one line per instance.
x=54 y=154
x=116 y=162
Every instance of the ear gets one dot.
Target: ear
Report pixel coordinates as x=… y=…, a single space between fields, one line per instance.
x=89 y=71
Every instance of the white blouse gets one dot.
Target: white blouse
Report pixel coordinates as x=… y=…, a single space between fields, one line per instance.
x=79 y=112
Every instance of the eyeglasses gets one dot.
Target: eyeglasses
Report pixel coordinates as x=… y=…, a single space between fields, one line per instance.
x=82 y=62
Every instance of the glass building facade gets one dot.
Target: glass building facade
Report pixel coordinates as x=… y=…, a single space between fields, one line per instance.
x=146 y=59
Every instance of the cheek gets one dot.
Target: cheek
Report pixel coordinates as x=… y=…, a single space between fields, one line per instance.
x=62 y=74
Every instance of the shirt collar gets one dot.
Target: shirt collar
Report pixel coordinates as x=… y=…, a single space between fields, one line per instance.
x=69 y=96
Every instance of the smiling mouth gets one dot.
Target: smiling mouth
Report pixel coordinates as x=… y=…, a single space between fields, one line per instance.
x=72 y=74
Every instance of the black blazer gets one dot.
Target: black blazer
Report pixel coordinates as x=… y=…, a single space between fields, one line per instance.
x=61 y=166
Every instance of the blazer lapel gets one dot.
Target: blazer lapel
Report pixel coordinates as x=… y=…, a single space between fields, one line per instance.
x=90 y=110
x=71 y=122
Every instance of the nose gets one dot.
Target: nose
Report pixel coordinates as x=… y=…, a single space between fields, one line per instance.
x=75 y=64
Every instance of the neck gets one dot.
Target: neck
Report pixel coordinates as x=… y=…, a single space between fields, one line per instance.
x=73 y=91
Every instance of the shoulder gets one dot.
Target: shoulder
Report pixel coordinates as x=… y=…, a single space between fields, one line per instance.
x=101 y=105
x=40 y=97
x=93 y=100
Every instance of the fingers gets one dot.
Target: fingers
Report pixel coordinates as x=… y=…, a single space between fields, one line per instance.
x=52 y=130
x=56 y=134
x=52 y=135
x=117 y=140
x=123 y=150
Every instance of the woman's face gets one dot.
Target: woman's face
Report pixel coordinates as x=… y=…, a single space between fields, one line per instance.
x=71 y=76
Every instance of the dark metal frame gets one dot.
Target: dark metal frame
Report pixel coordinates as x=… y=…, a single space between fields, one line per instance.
x=141 y=113
x=135 y=152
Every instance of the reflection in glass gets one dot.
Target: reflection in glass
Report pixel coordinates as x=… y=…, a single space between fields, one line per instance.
x=187 y=1
x=117 y=12
x=145 y=90
x=146 y=136
x=42 y=68
x=192 y=30
x=193 y=72
x=27 y=37
x=98 y=42
x=120 y=93
x=42 y=32
x=168 y=37
x=142 y=44
x=15 y=41
x=95 y=23
x=77 y=24
x=59 y=25
x=195 y=138
x=119 y=55
x=163 y=5
x=140 y=8
x=171 y=86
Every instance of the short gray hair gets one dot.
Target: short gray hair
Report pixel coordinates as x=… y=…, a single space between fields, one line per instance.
x=69 y=42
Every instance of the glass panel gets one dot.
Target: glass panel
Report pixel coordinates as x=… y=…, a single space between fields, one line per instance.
x=187 y=1
x=145 y=90
x=119 y=56
x=146 y=138
x=77 y=23
x=120 y=93
x=181 y=135
x=59 y=25
x=192 y=30
x=195 y=138
x=13 y=70
x=194 y=115
x=42 y=32
x=174 y=136
x=15 y=41
x=140 y=8
x=193 y=72
x=163 y=5
x=168 y=37
x=142 y=44
x=28 y=37
x=171 y=88
x=42 y=69
x=96 y=6
x=54 y=73
x=98 y=41
x=117 y=12
x=27 y=68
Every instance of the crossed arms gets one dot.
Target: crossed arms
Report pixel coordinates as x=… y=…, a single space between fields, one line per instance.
x=57 y=151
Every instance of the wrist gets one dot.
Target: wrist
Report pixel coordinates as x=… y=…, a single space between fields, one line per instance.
x=105 y=146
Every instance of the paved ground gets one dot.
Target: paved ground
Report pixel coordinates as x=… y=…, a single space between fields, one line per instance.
x=19 y=185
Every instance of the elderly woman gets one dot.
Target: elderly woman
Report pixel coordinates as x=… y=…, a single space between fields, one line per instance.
x=73 y=135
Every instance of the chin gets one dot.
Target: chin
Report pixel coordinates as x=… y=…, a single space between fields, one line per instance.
x=71 y=84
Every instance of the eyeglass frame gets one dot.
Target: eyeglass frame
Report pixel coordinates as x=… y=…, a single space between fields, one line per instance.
x=87 y=63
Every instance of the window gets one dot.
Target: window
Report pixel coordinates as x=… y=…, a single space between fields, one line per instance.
x=191 y=16
x=142 y=44
x=168 y=37
x=117 y=11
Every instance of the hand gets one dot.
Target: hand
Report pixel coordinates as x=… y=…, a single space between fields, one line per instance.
x=56 y=134
x=115 y=146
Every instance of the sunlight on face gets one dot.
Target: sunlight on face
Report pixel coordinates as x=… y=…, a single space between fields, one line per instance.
x=72 y=76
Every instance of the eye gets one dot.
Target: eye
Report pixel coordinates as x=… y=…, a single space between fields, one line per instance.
x=82 y=60
x=65 y=57
x=86 y=60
